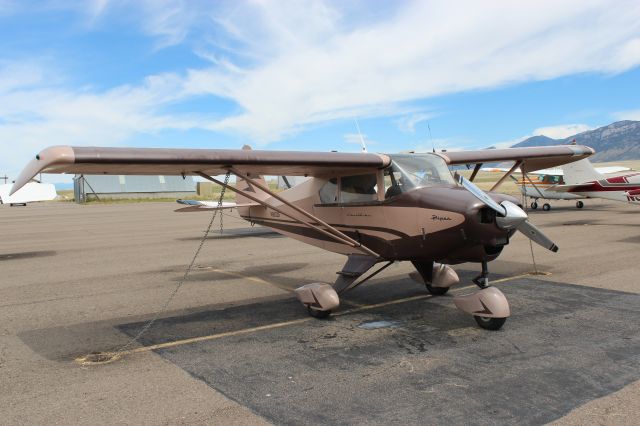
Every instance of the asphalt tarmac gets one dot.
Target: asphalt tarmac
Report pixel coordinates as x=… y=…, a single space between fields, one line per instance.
x=235 y=347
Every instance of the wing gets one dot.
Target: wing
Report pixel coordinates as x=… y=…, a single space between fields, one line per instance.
x=533 y=158
x=156 y=161
x=612 y=169
x=194 y=205
x=553 y=172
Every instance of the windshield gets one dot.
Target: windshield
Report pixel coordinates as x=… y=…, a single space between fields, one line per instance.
x=408 y=171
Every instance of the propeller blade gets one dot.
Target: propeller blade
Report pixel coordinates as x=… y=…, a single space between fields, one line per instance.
x=482 y=196
x=536 y=235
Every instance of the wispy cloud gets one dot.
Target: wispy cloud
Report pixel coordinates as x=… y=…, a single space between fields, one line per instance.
x=561 y=131
x=34 y=115
x=419 y=52
x=357 y=138
x=627 y=115
x=409 y=122
x=440 y=144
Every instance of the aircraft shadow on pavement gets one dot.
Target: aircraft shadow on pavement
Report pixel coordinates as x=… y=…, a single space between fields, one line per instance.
x=423 y=359
x=270 y=274
x=27 y=255
x=67 y=342
x=234 y=233
x=633 y=239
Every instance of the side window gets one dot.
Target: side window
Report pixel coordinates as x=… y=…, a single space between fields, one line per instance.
x=358 y=188
x=329 y=192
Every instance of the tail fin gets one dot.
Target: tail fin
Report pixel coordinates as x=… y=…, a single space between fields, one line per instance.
x=580 y=172
x=243 y=185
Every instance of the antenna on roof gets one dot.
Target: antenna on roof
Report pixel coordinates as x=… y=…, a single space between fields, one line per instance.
x=364 y=146
x=433 y=146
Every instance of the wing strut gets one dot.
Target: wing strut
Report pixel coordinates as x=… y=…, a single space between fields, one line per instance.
x=476 y=169
x=338 y=236
x=506 y=175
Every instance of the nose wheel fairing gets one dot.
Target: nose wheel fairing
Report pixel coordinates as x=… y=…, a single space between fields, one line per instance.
x=488 y=302
x=489 y=306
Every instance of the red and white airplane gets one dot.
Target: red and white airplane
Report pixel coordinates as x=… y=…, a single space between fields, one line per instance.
x=582 y=179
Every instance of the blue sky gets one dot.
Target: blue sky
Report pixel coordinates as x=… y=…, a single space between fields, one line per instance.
x=296 y=74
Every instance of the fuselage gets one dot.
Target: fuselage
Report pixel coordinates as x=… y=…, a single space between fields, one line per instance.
x=619 y=188
x=538 y=187
x=441 y=222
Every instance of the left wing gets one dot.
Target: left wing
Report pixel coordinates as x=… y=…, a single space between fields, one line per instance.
x=156 y=161
x=533 y=158
x=198 y=205
x=209 y=204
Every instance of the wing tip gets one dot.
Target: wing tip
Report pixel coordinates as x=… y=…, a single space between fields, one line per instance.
x=60 y=154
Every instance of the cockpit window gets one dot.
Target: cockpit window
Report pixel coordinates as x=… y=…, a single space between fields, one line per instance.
x=358 y=188
x=329 y=192
x=411 y=171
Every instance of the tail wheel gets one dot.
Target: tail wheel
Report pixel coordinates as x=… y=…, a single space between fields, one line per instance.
x=490 y=323
x=546 y=207
x=579 y=204
x=534 y=205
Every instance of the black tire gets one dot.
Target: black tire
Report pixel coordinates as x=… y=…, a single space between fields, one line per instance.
x=316 y=313
x=579 y=204
x=534 y=205
x=437 y=291
x=490 y=323
x=546 y=207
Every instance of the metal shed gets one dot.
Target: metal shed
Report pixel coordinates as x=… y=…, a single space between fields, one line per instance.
x=127 y=186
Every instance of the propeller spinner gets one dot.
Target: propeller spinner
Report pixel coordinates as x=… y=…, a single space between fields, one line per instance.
x=510 y=216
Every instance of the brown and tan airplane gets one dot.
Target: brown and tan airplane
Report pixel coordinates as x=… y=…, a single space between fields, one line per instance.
x=373 y=208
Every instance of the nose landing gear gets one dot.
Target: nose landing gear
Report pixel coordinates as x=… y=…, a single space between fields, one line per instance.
x=488 y=306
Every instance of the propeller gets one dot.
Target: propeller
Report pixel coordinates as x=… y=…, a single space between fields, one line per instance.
x=510 y=216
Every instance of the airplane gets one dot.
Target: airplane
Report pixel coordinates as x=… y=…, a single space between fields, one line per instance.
x=31 y=192
x=582 y=179
x=536 y=185
x=372 y=208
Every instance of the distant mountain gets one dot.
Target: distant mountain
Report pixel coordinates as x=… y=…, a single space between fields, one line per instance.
x=615 y=142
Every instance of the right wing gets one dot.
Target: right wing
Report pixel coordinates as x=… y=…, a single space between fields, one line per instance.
x=533 y=158
x=157 y=161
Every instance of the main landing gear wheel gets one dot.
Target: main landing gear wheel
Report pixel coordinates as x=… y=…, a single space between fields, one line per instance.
x=316 y=313
x=546 y=207
x=436 y=291
x=534 y=205
x=490 y=323
x=579 y=204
